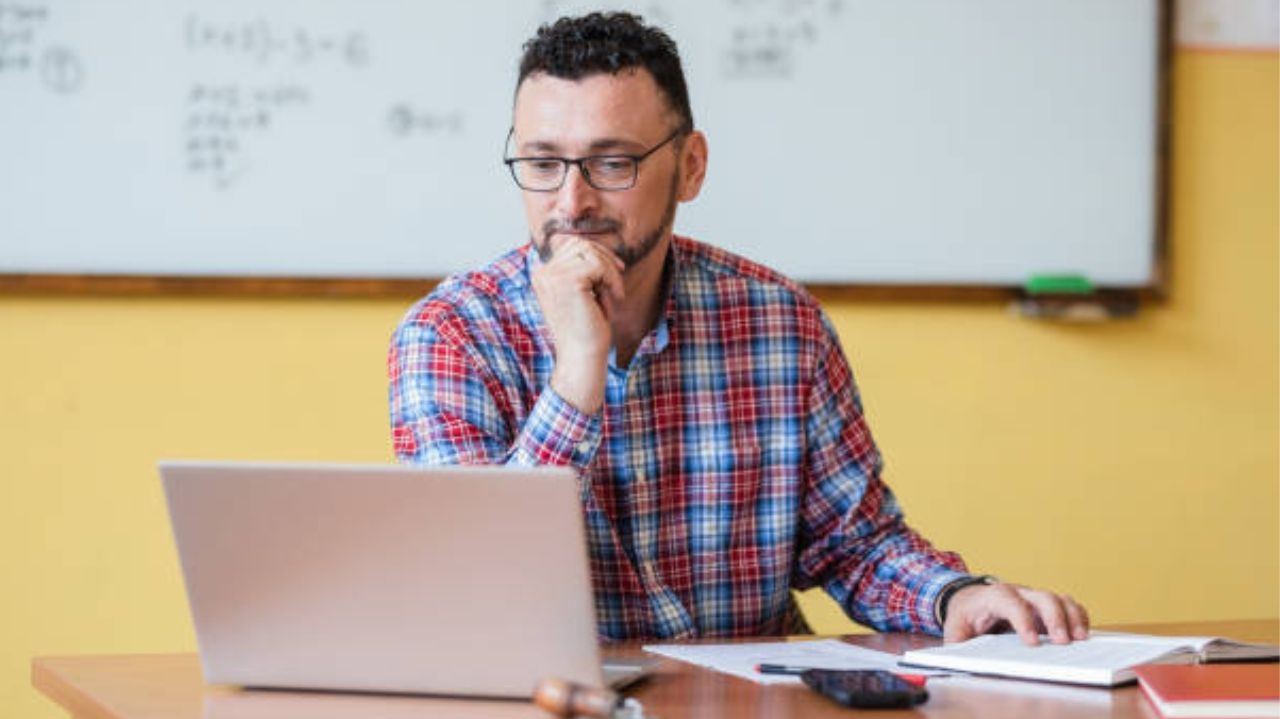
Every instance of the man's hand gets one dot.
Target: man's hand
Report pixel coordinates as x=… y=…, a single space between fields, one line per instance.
x=984 y=608
x=576 y=290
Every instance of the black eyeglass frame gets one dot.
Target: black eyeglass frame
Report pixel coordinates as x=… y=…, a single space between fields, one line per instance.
x=565 y=162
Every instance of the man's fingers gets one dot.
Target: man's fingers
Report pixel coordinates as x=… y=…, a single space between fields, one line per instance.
x=958 y=631
x=1064 y=619
x=1053 y=613
x=595 y=265
x=1017 y=611
x=612 y=267
x=612 y=280
x=617 y=261
x=978 y=610
x=1029 y=612
x=1077 y=619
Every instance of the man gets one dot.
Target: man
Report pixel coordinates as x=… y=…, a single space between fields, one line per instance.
x=704 y=400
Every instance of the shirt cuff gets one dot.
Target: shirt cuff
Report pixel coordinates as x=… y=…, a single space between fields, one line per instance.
x=927 y=610
x=558 y=434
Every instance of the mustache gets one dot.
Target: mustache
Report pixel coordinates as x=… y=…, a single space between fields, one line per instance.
x=584 y=224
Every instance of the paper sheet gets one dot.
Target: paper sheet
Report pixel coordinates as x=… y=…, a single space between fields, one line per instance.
x=740 y=660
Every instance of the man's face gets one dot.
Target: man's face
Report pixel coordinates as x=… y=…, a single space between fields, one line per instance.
x=603 y=114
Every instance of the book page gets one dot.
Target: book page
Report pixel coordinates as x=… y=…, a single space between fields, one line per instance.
x=1098 y=652
x=1194 y=643
x=1210 y=649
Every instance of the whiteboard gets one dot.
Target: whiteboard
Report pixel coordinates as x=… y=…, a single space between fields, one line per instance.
x=943 y=142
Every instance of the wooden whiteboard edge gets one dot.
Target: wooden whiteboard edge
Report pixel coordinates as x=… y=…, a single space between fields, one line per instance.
x=32 y=285
x=198 y=286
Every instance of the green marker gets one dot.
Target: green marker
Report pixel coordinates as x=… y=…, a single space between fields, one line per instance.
x=1059 y=285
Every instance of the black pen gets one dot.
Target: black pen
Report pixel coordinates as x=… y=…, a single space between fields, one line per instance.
x=780 y=669
x=916 y=679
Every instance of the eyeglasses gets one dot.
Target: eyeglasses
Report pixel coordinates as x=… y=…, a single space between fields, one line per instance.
x=603 y=172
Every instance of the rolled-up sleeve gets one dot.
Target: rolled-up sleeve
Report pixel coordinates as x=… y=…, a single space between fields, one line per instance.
x=853 y=539
x=448 y=405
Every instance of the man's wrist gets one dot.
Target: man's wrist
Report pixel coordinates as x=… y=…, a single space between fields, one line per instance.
x=951 y=589
x=580 y=384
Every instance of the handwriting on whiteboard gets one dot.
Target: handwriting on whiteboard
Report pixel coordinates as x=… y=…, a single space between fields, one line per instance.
x=221 y=120
x=24 y=52
x=764 y=39
x=767 y=37
x=265 y=42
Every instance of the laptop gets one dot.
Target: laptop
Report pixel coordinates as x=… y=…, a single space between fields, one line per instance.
x=469 y=581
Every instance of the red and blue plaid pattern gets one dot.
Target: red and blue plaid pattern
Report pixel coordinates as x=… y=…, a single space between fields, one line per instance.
x=730 y=464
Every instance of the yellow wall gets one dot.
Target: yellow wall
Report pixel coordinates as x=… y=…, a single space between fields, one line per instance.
x=1134 y=464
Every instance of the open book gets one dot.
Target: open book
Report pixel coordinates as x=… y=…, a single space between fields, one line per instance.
x=1104 y=659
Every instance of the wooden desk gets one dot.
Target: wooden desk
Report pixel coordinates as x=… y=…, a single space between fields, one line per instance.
x=169 y=686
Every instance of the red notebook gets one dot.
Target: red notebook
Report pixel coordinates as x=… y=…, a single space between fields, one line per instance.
x=1223 y=691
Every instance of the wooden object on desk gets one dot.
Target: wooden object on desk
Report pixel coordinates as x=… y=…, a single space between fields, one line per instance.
x=171 y=687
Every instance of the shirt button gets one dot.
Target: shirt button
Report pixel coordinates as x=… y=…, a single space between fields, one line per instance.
x=641 y=477
x=584 y=446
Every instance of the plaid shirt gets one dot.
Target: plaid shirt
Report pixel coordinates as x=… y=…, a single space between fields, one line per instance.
x=731 y=462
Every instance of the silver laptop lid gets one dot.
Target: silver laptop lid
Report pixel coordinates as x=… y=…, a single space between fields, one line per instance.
x=462 y=580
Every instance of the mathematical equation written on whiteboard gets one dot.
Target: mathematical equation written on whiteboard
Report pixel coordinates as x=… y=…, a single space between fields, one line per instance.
x=25 y=52
x=767 y=37
x=223 y=119
x=764 y=39
x=263 y=42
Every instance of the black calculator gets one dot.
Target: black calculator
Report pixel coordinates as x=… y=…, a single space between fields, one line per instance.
x=864 y=689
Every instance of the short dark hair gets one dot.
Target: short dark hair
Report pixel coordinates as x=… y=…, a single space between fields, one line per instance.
x=575 y=47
